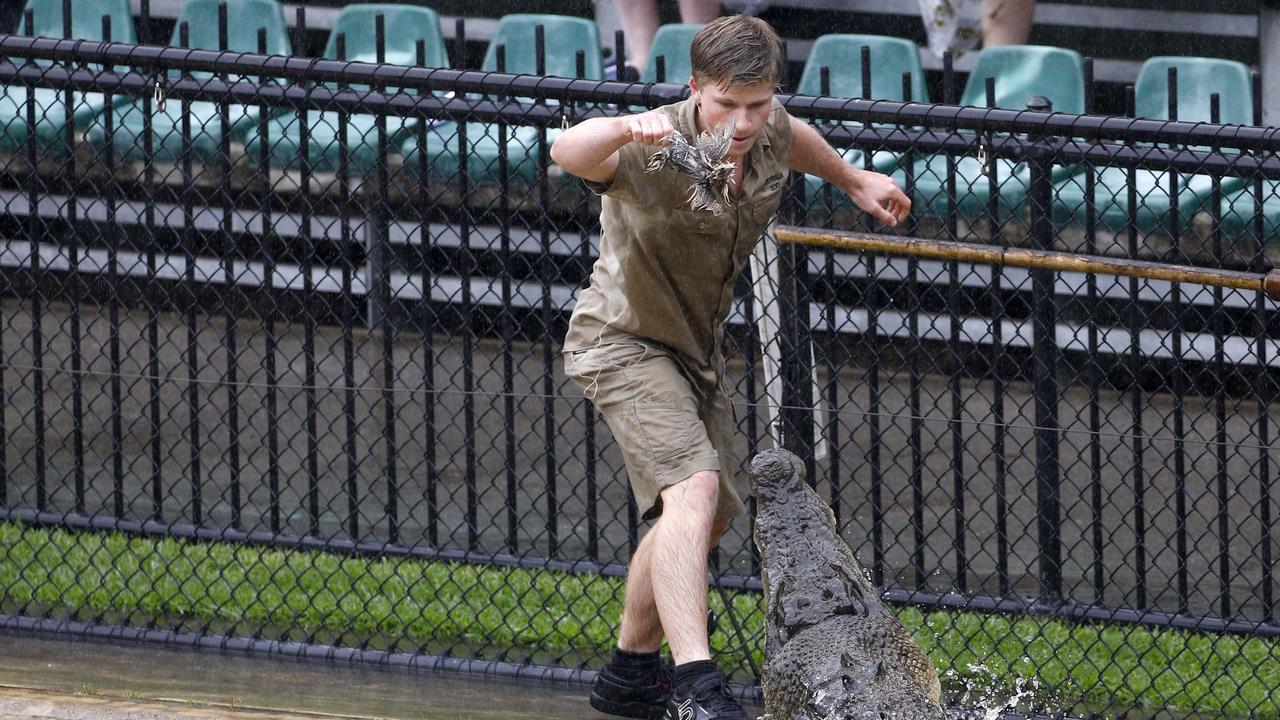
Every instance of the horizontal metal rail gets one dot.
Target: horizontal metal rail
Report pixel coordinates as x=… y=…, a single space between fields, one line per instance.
x=457 y=108
x=156 y=57
x=1268 y=283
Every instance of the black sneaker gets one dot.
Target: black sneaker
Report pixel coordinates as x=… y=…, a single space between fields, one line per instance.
x=706 y=698
x=645 y=698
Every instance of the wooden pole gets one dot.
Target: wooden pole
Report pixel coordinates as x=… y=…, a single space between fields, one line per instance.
x=1268 y=283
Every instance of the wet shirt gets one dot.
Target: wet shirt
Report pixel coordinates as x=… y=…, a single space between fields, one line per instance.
x=666 y=272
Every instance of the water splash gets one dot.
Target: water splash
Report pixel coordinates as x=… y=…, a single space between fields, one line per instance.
x=987 y=696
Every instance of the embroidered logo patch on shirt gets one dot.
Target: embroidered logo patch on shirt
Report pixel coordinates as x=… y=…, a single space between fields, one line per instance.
x=773 y=182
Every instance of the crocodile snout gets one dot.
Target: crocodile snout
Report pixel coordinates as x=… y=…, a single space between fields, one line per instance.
x=773 y=471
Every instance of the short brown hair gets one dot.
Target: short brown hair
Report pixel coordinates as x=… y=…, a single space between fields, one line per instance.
x=737 y=50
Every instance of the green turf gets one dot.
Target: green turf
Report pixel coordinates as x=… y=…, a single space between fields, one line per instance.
x=521 y=614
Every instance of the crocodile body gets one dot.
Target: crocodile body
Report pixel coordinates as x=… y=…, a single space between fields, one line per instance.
x=832 y=649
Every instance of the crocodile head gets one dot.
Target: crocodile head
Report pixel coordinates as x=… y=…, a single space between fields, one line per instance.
x=776 y=476
x=833 y=651
x=809 y=573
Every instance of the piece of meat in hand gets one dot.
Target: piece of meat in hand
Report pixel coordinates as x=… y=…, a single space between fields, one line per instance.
x=704 y=162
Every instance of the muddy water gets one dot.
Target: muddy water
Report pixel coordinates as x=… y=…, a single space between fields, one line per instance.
x=239 y=682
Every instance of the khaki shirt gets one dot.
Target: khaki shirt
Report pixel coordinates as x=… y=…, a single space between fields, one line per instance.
x=666 y=272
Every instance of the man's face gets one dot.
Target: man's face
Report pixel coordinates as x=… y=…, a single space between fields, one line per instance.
x=748 y=105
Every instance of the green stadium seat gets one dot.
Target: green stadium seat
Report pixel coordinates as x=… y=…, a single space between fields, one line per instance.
x=1198 y=78
x=405 y=26
x=1021 y=72
x=842 y=54
x=671 y=43
x=565 y=36
x=1238 y=215
x=245 y=18
x=50 y=105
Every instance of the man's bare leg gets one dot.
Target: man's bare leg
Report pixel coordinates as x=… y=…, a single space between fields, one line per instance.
x=641 y=630
x=681 y=539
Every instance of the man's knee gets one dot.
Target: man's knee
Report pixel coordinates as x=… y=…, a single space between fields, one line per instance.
x=697 y=494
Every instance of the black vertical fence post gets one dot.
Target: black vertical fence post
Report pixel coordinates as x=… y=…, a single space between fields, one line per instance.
x=231 y=296
x=144 y=22
x=620 y=55
x=546 y=276
x=1221 y=328
x=35 y=236
x=507 y=324
x=115 y=283
x=376 y=239
x=831 y=390
x=69 y=240
x=796 y=413
x=349 y=314
x=153 y=313
x=309 y=318
x=1136 y=320
x=428 y=317
x=1044 y=372
x=191 y=249
x=269 y=306
x=1094 y=370
x=388 y=335
x=999 y=378
x=1265 y=384
x=465 y=268
x=1178 y=386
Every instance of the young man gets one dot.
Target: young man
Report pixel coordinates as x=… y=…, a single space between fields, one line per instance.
x=644 y=342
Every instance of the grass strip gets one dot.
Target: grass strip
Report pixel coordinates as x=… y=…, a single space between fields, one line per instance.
x=547 y=616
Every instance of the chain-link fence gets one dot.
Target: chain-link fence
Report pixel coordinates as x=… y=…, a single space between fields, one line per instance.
x=291 y=326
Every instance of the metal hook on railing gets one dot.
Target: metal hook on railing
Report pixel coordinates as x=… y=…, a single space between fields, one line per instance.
x=984 y=159
x=158 y=94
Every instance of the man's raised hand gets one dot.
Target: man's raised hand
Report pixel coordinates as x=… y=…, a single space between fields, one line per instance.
x=649 y=128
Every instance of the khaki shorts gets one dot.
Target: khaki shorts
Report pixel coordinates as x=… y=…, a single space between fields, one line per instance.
x=666 y=429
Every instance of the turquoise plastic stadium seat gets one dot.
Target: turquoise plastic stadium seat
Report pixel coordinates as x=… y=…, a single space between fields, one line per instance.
x=404 y=25
x=890 y=58
x=1021 y=72
x=671 y=43
x=1239 y=208
x=1197 y=79
x=245 y=18
x=50 y=105
x=565 y=36
x=842 y=54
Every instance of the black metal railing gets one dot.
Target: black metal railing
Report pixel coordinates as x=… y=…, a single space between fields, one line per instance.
x=316 y=305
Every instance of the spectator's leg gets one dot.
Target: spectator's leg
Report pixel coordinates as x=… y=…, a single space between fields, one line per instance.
x=639 y=24
x=1006 y=22
x=699 y=11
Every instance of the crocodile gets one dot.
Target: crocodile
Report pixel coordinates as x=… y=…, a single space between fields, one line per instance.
x=832 y=651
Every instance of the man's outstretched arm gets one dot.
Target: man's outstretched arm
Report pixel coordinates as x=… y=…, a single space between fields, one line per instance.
x=590 y=148
x=874 y=192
